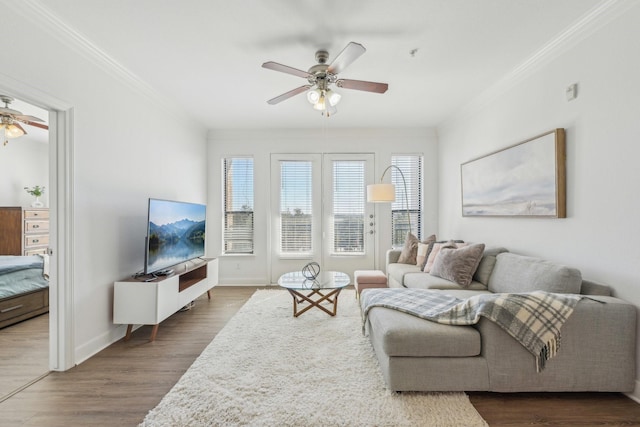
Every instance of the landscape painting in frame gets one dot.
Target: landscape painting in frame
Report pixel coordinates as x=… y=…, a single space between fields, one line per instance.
x=526 y=179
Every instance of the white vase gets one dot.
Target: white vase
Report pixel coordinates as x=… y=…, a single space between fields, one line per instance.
x=37 y=203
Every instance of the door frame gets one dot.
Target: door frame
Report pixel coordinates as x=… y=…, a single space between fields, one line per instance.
x=61 y=330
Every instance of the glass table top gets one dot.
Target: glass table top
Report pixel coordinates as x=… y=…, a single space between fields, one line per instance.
x=325 y=280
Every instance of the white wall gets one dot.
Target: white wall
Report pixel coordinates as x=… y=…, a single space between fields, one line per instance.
x=127 y=147
x=23 y=163
x=254 y=269
x=600 y=234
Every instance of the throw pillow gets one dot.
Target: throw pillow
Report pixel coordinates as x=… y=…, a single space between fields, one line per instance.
x=430 y=248
x=409 y=250
x=435 y=250
x=487 y=262
x=423 y=251
x=458 y=265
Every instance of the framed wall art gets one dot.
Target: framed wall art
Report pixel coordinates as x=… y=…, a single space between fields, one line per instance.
x=526 y=179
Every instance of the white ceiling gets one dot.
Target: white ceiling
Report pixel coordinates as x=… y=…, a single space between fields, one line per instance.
x=205 y=55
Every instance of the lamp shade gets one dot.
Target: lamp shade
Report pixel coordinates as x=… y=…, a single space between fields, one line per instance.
x=381 y=193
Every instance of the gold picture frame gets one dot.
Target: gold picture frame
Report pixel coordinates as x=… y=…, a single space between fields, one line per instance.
x=527 y=179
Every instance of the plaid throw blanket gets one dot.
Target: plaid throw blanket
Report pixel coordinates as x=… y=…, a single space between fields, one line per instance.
x=534 y=319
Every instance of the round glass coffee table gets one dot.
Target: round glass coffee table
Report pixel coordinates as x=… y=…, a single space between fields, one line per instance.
x=323 y=289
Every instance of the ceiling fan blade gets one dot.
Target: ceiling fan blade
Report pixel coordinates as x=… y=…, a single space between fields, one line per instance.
x=349 y=54
x=362 y=85
x=9 y=111
x=27 y=118
x=289 y=94
x=36 y=124
x=286 y=69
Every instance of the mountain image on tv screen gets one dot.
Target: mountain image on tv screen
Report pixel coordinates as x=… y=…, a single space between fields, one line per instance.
x=176 y=233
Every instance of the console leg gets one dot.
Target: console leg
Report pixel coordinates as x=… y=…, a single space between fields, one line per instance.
x=128 y=334
x=154 y=331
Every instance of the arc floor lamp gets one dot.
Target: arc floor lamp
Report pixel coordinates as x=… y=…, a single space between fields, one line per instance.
x=386 y=193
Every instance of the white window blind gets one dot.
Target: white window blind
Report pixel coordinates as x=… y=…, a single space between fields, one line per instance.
x=411 y=166
x=296 y=207
x=238 y=205
x=347 y=222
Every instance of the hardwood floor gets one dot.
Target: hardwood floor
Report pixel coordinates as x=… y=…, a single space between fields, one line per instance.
x=24 y=353
x=118 y=386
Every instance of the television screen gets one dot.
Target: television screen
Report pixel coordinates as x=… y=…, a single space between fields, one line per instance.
x=175 y=233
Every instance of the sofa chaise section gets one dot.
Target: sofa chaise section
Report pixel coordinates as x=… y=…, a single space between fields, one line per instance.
x=598 y=341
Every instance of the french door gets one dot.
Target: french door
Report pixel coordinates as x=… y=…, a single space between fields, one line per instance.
x=320 y=212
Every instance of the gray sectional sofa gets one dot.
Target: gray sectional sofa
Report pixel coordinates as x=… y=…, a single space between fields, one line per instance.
x=598 y=342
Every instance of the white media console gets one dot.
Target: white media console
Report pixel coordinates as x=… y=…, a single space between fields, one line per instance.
x=146 y=300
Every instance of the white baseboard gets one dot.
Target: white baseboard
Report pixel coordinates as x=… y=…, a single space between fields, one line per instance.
x=635 y=395
x=96 y=345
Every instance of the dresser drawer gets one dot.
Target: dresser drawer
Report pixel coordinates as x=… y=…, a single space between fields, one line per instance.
x=36 y=226
x=31 y=240
x=20 y=305
x=36 y=214
x=37 y=251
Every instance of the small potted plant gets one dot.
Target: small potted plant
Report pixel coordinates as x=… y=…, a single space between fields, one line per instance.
x=36 y=192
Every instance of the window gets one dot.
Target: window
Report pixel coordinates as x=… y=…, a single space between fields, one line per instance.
x=401 y=214
x=296 y=207
x=238 y=205
x=347 y=222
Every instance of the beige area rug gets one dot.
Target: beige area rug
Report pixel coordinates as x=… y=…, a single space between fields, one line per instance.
x=267 y=368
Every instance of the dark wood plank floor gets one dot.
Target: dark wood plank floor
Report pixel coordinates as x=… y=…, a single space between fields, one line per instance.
x=118 y=386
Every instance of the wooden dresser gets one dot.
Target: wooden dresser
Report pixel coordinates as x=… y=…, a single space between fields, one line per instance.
x=24 y=231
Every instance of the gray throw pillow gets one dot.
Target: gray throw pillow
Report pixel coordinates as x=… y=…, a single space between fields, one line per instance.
x=409 y=250
x=488 y=261
x=458 y=265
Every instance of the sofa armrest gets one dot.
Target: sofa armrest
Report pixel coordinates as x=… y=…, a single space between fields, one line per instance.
x=392 y=257
x=591 y=288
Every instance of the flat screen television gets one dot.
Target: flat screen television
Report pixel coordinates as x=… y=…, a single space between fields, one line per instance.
x=175 y=234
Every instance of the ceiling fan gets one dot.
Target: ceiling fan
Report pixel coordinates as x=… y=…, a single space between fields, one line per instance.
x=10 y=120
x=322 y=75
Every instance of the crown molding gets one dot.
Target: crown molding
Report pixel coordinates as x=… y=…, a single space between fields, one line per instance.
x=589 y=23
x=37 y=13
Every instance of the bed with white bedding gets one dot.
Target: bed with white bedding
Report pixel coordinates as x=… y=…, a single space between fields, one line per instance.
x=24 y=288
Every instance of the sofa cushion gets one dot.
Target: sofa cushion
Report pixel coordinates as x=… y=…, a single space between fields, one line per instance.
x=488 y=261
x=398 y=271
x=410 y=336
x=409 y=250
x=517 y=273
x=427 y=281
x=459 y=264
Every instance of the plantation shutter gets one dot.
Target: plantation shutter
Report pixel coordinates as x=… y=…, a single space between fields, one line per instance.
x=238 y=205
x=411 y=166
x=296 y=207
x=347 y=222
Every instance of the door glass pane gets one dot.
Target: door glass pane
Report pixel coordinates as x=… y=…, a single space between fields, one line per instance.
x=348 y=207
x=296 y=207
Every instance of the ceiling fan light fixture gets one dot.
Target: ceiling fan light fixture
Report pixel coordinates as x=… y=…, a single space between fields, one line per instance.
x=313 y=96
x=334 y=97
x=321 y=105
x=13 y=131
